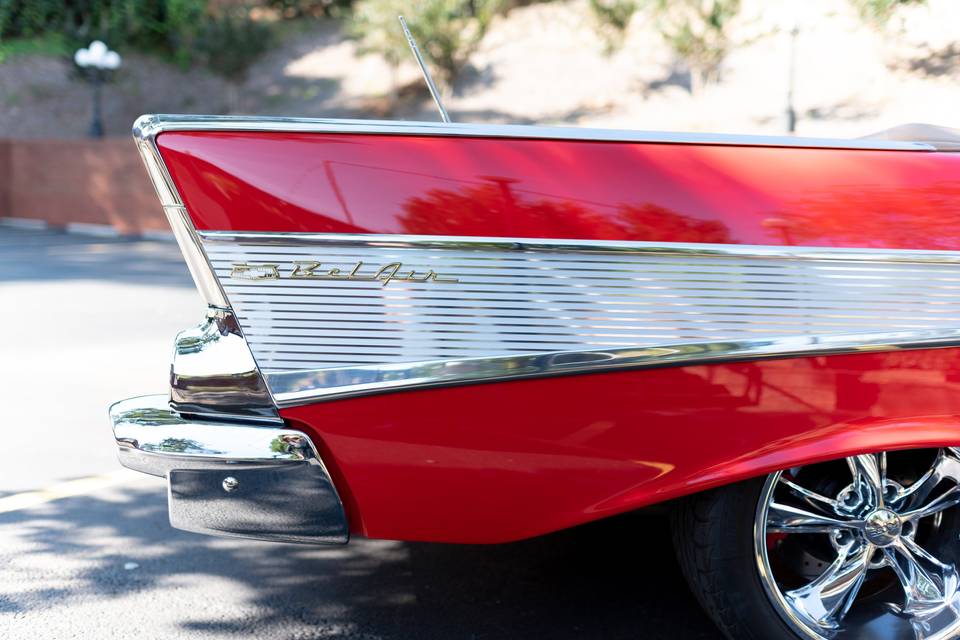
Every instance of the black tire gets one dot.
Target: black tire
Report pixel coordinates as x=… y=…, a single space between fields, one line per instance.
x=714 y=541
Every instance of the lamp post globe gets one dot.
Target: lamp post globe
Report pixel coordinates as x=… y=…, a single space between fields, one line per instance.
x=96 y=60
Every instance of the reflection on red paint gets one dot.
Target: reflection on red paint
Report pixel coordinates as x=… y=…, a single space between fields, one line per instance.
x=566 y=189
x=496 y=462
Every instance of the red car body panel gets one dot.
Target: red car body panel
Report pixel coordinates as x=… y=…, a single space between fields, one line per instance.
x=501 y=461
x=498 y=462
x=339 y=183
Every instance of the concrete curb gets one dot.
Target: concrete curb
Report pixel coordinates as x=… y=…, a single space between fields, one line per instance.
x=85 y=229
x=24 y=223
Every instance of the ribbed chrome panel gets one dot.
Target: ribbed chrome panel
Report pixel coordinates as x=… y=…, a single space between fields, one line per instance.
x=472 y=302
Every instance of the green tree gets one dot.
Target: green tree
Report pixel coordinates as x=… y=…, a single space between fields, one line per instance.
x=150 y=25
x=879 y=12
x=612 y=18
x=220 y=34
x=228 y=44
x=447 y=31
x=698 y=32
x=310 y=8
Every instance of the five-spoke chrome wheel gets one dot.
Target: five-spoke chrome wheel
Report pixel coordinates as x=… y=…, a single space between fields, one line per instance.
x=864 y=547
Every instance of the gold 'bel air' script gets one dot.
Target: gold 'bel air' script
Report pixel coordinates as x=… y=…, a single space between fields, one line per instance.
x=308 y=270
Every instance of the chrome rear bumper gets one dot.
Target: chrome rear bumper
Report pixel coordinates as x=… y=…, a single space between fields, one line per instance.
x=231 y=478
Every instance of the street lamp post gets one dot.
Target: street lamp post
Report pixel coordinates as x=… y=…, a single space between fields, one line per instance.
x=96 y=60
x=791 y=81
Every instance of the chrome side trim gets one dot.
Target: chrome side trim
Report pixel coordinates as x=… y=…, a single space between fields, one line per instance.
x=322 y=326
x=292 y=388
x=153 y=438
x=232 y=478
x=152 y=125
x=679 y=249
x=214 y=374
x=145 y=131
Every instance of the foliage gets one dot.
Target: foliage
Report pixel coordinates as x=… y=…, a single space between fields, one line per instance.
x=228 y=44
x=697 y=31
x=879 y=12
x=447 y=31
x=26 y=19
x=612 y=18
x=145 y=24
x=221 y=34
x=52 y=44
x=290 y=9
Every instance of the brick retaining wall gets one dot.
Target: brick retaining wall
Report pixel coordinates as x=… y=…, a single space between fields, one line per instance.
x=80 y=181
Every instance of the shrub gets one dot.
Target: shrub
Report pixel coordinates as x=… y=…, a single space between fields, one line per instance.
x=220 y=34
x=310 y=8
x=612 y=18
x=144 y=24
x=447 y=31
x=879 y=12
x=50 y=45
x=697 y=31
x=229 y=43
x=24 y=18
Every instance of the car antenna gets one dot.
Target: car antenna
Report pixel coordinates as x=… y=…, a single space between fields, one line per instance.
x=423 y=67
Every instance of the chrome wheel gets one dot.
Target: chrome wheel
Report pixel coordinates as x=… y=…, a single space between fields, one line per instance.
x=864 y=547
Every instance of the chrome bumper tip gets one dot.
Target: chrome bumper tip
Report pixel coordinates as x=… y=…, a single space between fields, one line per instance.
x=231 y=478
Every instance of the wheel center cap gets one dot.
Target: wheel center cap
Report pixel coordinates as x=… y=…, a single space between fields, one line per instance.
x=882 y=527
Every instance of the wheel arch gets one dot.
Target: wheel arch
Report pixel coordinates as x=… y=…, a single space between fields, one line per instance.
x=840 y=440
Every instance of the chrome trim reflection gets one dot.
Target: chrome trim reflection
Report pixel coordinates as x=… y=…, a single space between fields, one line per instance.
x=291 y=388
x=284 y=492
x=679 y=249
x=871 y=520
x=145 y=131
x=214 y=374
x=153 y=438
x=523 y=308
x=155 y=124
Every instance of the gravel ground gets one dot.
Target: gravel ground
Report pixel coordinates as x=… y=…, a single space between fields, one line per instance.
x=85 y=321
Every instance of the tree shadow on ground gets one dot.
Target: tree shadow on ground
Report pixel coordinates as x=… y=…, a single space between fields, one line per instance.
x=28 y=255
x=613 y=579
x=848 y=109
x=675 y=76
x=933 y=63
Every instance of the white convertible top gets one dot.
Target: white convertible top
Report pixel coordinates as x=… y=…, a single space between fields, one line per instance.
x=941 y=138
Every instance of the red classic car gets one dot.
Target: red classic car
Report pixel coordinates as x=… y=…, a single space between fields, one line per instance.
x=477 y=334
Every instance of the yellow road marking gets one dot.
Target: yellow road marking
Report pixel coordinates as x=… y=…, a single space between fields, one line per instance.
x=66 y=489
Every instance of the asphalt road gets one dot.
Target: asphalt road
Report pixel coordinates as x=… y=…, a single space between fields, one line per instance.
x=86 y=550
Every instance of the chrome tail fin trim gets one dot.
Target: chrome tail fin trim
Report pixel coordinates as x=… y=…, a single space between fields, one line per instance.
x=167 y=122
x=214 y=373
x=145 y=131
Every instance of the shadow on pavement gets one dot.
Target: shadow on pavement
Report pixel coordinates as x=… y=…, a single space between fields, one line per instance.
x=27 y=255
x=613 y=579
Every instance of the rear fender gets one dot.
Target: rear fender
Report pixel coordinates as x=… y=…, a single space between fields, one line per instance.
x=836 y=441
x=491 y=333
